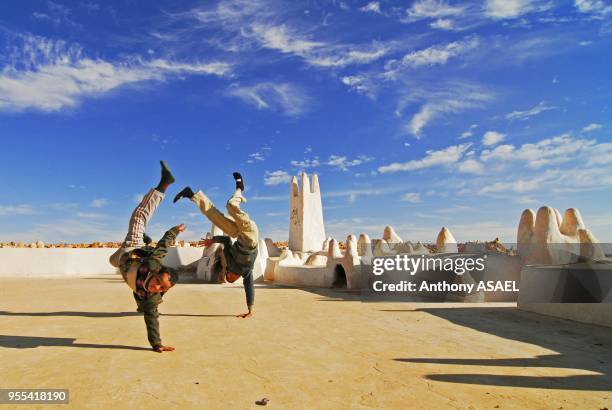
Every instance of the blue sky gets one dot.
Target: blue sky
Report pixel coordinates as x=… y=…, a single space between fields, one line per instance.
x=416 y=114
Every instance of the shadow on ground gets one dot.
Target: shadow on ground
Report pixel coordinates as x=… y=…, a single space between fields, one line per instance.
x=579 y=346
x=30 y=342
x=99 y=314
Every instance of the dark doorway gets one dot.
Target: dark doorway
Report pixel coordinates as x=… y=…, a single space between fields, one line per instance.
x=339 y=278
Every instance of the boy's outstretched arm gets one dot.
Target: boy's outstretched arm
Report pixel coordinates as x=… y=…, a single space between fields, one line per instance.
x=151 y=318
x=162 y=246
x=249 y=291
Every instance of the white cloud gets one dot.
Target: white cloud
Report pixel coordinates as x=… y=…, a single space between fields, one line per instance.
x=412 y=197
x=360 y=83
x=276 y=178
x=99 y=203
x=344 y=163
x=549 y=151
x=213 y=68
x=306 y=163
x=340 y=56
x=48 y=76
x=247 y=26
x=469 y=132
x=444 y=157
x=372 y=7
x=282 y=39
x=592 y=127
x=470 y=166
x=524 y=115
x=14 y=210
x=491 y=138
x=57 y=14
x=437 y=105
x=92 y=215
x=256 y=157
x=596 y=7
x=316 y=53
x=427 y=9
x=434 y=55
x=283 y=97
x=442 y=24
x=509 y=9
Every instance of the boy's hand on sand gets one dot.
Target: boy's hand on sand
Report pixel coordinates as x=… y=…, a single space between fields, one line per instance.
x=206 y=242
x=245 y=315
x=161 y=349
x=181 y=227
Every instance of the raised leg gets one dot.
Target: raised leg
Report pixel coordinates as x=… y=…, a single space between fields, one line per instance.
x=138 y=223
x=247 y=229
x=208 y=209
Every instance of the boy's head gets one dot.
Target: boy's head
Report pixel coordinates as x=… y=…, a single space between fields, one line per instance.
x=161 y=281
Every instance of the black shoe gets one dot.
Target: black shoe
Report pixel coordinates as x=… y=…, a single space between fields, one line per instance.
x=185 y=193
x=166 y=176
x=239 y=181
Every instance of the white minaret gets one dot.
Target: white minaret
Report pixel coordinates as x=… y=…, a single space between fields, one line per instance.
x=306 y=227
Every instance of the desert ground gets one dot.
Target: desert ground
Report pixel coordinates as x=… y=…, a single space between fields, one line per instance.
x=304 y=348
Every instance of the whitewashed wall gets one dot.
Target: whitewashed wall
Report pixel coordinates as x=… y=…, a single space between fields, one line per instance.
x=61 y=262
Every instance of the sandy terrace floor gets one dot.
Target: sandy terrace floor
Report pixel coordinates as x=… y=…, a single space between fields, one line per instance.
x=303 y=349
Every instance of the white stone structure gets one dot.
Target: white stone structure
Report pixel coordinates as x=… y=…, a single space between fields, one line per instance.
x=306 y=227
x=446 y=242
x=549 y=238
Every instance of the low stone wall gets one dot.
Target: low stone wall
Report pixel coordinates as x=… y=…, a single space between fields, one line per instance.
x=64 y=262
x=312 y=276
x=580 y=292
x=592 y=313
x=499 y=267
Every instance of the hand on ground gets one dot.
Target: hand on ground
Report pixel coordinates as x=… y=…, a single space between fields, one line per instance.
x=245 y=315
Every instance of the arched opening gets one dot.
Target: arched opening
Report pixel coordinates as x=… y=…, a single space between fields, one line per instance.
x=339 y=278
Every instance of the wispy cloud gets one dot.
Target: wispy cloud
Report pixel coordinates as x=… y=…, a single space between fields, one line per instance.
x=286 y=98
x=49 y=76
x=92 y=215
x=432 y=9
x=525 y=115
x=56 y=14
x=371 y=7
x=550 y=151
x=412 y=197
x=597 y=8
x=592 y=127
x=510 y=9
x=443 y=24
x=99 y=203
x=343 y=163
x=469 y=132
x=281 y=38
x=276 y=178
x=258 y=24
x=444 y=157
x=14 y=210
x=306 y=163
x=454 y=99
x=431 y=56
